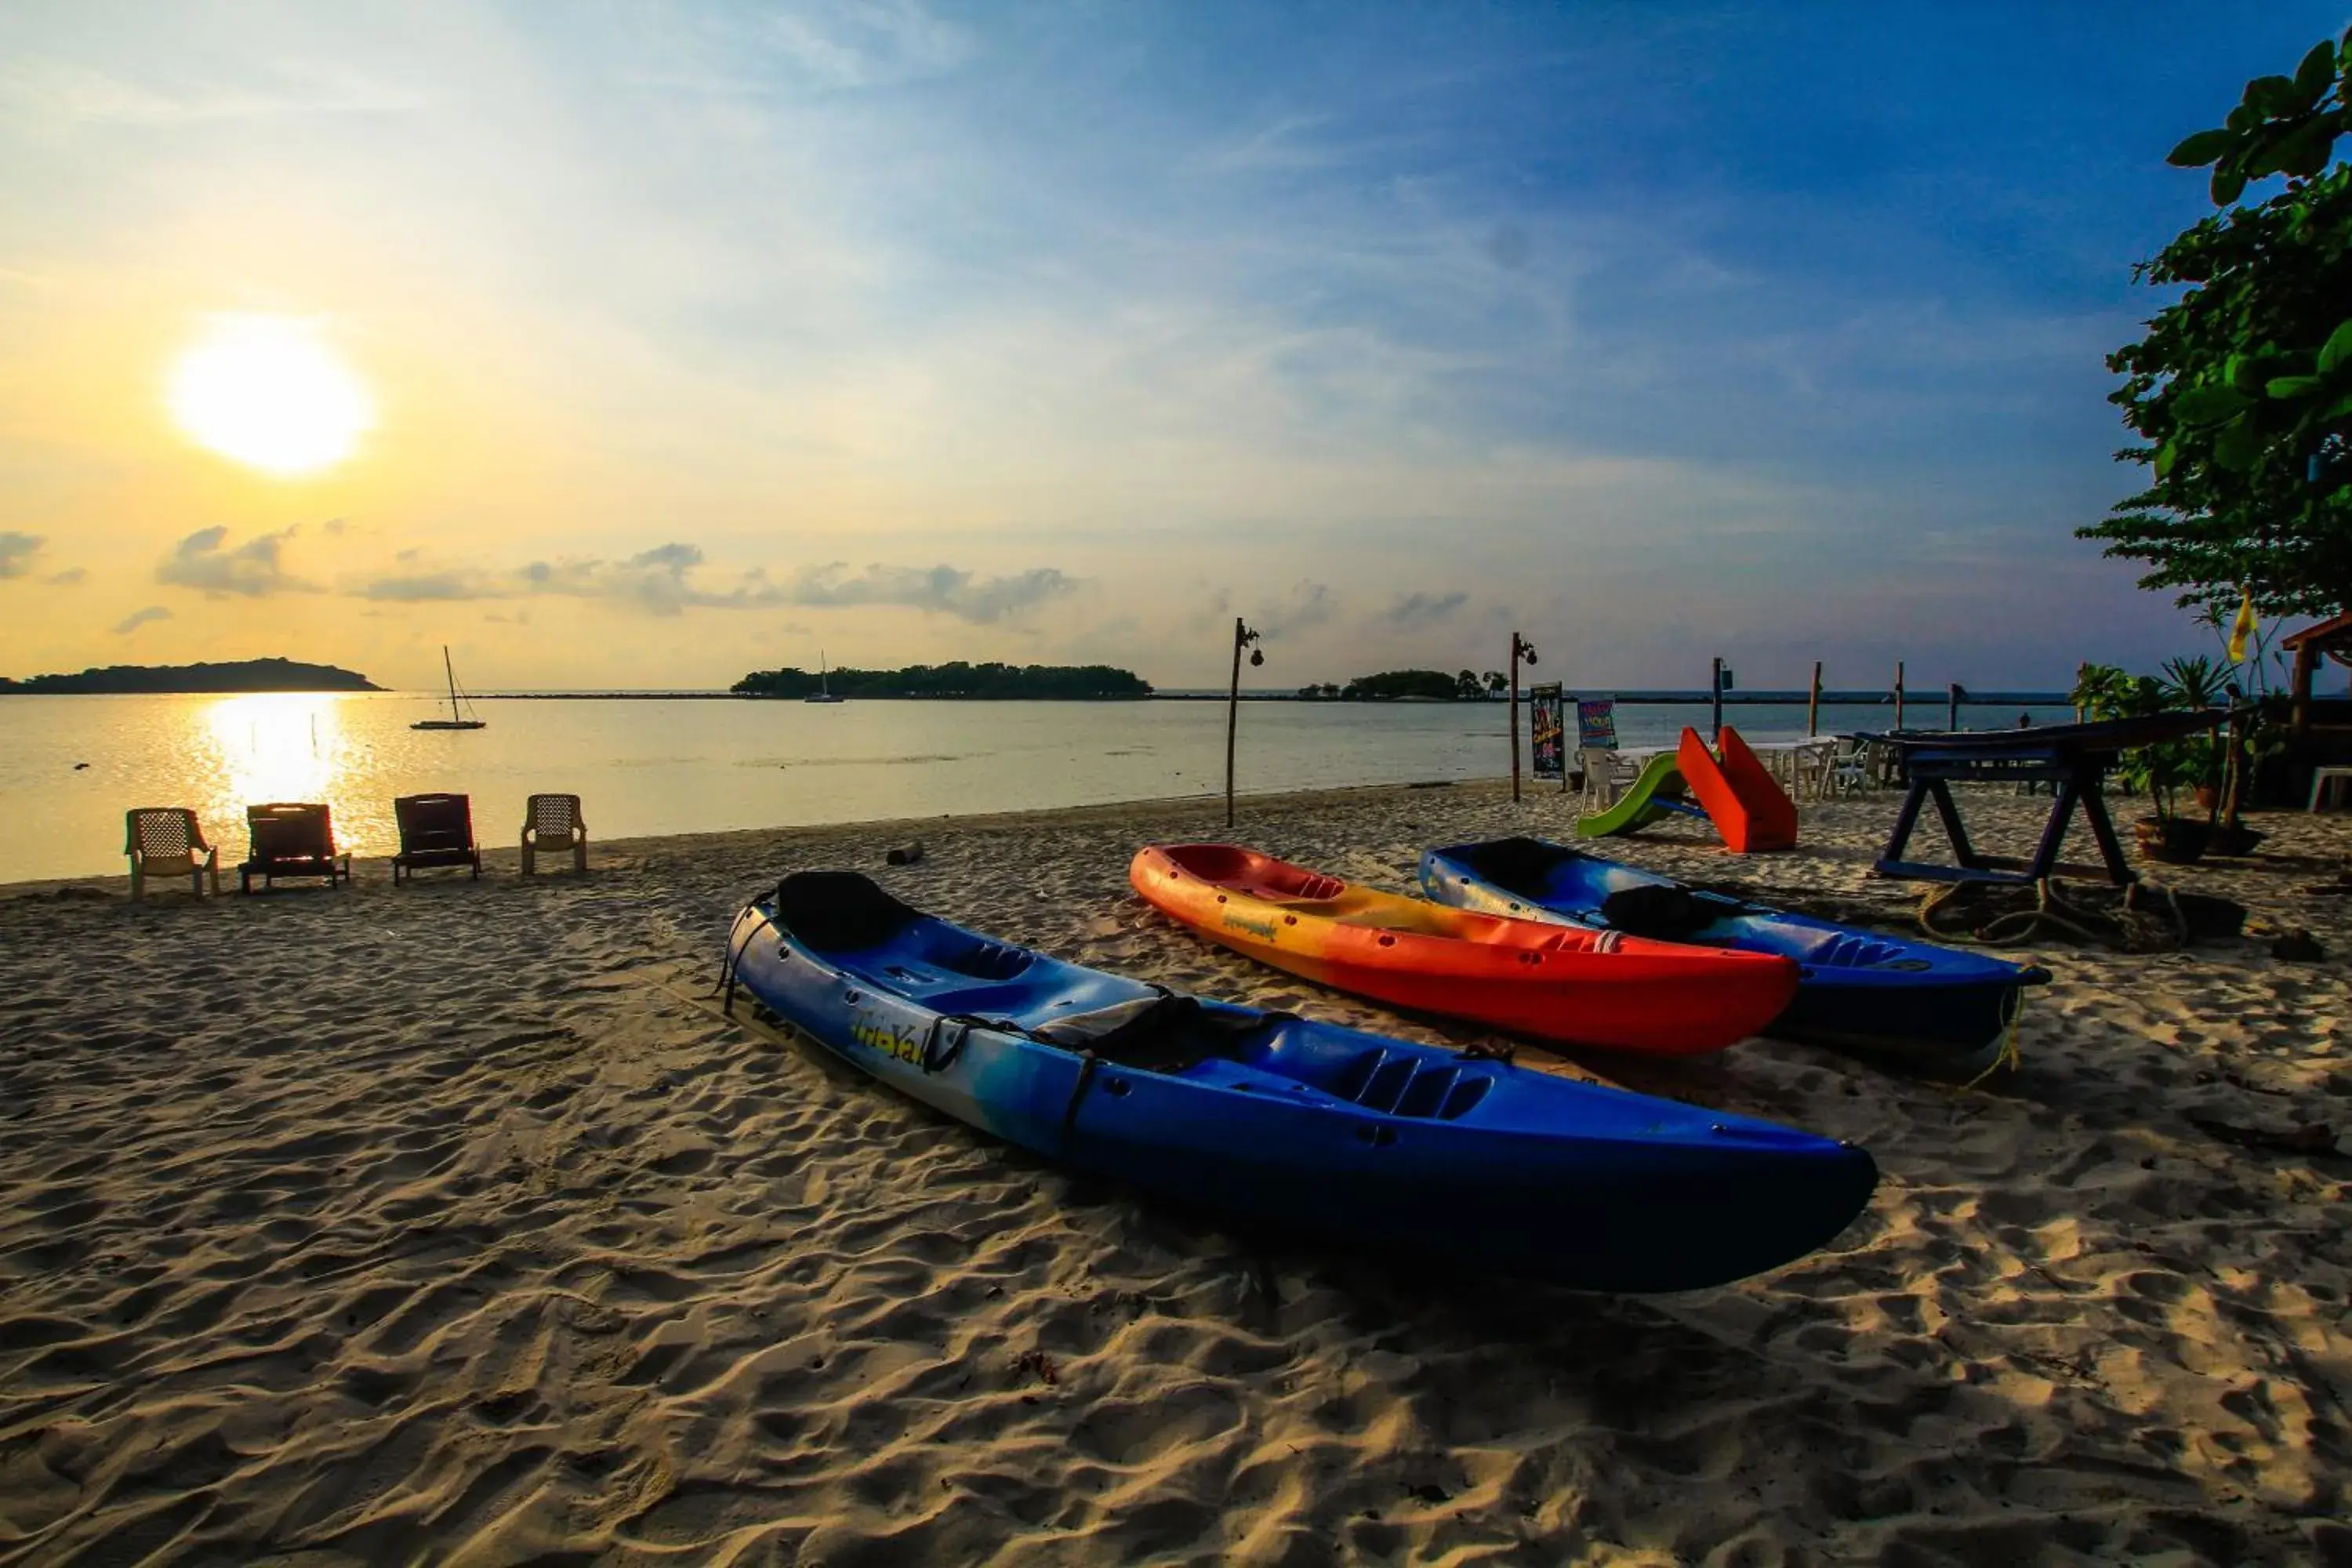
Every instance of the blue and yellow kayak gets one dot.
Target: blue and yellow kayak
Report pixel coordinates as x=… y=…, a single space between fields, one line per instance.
x=1406 y=1150
x=1934 y=1010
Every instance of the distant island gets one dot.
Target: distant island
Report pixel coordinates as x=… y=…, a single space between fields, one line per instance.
x=1066 y=682
x=1409 y=685
x=240 y=675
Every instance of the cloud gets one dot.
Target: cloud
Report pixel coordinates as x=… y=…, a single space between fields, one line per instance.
x=68 y=577
x=935 y=590
x=251 y=571
x=435 y=588
x=137 y=618
x=1306 y=605
x=656 y=580
x=1417 y=610
x=661 y=581
x=16 y=552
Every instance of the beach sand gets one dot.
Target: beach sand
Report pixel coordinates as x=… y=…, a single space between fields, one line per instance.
x=455 y=1222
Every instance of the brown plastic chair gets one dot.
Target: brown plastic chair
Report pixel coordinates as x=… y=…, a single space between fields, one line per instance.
x=291 y=840
x=554 y=822
x=435 y=830
x=165 y=840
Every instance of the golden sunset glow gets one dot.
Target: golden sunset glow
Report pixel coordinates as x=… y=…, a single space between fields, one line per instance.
x=268 y=392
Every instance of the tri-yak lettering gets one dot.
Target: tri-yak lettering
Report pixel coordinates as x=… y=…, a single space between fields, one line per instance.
x=903 y=1041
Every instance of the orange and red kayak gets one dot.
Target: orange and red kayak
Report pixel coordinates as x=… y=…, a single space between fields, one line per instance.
x=1594 y=988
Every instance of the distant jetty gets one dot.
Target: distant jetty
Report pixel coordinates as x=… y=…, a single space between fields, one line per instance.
x=240 y=675
x=1032 y=682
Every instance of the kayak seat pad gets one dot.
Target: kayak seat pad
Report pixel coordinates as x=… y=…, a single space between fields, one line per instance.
x=839 y=912
x=1164 y=1032
x=1661 y=913
x=1521 y=866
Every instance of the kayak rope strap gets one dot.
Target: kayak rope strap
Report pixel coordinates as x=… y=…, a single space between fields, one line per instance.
x=1089 y=1065
x=2009 y=1057
x=2131 y=929
x=725 y=986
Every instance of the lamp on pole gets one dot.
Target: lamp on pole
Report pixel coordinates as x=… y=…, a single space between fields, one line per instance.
x=1522 y=650
x=1242 y=638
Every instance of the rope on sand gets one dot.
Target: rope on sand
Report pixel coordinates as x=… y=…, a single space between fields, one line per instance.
x=2128 y=928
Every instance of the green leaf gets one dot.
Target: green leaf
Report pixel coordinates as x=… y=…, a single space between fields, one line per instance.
x=2302 y=152
x=2246 y=117
x=2166 y=456
x=2343 y=409
x=2209 y=404
x=2227 y=184
x=2317 y=69
x=2238 y=445
x=2273 y=96
x=2288 y=386
x=2196 y=152
x=2337 y=349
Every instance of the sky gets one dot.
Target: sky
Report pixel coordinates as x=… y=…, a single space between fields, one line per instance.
x=643 y=345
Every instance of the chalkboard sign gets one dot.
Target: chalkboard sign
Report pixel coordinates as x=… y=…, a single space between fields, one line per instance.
x=1547 y=728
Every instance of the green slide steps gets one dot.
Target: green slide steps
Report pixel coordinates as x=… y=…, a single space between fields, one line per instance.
x=1657 y=794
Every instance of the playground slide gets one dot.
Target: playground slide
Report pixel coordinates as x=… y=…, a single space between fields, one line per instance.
x=1656 y=793
x=1747 y=803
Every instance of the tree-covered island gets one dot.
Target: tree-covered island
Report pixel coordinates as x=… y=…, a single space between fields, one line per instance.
x=1046 y=682
x=1410 y=685
x=238 y=675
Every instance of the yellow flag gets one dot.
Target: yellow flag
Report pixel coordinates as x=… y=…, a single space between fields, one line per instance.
x=2242 y=630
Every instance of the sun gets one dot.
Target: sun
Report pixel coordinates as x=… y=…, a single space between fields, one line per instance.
x=268 y=392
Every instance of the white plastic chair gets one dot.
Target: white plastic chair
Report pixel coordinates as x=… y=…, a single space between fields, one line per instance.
x=1606 y=775
x=1850 y=770
x=1813 y=768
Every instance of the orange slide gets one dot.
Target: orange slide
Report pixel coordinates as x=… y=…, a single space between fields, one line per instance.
x=1742 y=798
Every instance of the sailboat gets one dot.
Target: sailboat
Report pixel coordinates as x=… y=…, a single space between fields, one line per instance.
x=824 y=692
x=453 y=721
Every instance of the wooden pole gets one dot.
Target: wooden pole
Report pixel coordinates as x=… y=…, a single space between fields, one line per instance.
x=1515 y=716
x=2307 y=664
x=1814 y=704
x=1952 y=707
x=1898 y=694
x=1715 y=702
x=1234 y=714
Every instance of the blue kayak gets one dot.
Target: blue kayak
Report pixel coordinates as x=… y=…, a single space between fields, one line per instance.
x=1932 y=1010
x=1403 y=1149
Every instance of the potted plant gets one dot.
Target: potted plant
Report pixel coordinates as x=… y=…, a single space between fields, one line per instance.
x=2166 y=834
x=2259 y=714
x=2166 y=769
x=2257 y=735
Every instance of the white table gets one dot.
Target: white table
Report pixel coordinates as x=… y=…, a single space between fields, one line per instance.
x=1780 y=757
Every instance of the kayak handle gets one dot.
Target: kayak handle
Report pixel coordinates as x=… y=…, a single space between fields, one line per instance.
x=940 y=1049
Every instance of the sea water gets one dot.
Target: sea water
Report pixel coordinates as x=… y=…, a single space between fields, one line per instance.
x=70 y=766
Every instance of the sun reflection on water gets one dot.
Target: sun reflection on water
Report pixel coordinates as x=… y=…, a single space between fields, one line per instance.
x=272 y=746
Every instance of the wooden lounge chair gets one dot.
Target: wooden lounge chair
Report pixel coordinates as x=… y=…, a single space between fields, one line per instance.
x=435 y=830
x=291 y=840
x=164 y=841
x=554 y=822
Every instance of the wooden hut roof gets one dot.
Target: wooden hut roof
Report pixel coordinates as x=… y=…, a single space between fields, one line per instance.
x=2335 y=632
